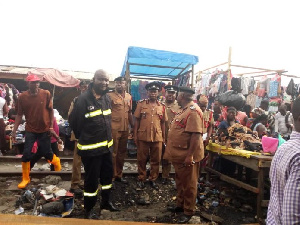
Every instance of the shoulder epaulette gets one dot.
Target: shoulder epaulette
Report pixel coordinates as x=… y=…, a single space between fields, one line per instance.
x=142 y=100
x=192 y=107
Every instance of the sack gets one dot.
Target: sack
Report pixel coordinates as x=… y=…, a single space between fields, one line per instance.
x=269 y=144
x=233 y=99
x=291 y=89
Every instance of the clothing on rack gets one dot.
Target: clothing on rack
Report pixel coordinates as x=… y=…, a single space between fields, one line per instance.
x=251 y=100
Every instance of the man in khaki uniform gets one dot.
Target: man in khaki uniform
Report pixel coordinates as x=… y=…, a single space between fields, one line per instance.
x=207 y=117
x=76 y=181
x=208 y=120
x=172 y=108
x=149 y=134
x=185 y=151
x=121 y=117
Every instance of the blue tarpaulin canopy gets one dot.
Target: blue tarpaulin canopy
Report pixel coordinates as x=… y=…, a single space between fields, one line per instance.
x=145 y=62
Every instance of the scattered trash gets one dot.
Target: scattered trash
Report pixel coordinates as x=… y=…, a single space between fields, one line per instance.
x=19 y=210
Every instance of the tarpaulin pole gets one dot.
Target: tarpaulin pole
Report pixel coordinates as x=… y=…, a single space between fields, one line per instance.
x=127 y=77
x=53 y=92
x=192 y=76
x=228 y=71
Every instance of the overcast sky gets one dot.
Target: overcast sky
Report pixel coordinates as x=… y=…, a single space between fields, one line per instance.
x=88 y=35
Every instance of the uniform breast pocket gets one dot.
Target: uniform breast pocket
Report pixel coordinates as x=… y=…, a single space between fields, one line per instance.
x=144 y=115
x=160 y=114
x=117 y=104
x=115 y=119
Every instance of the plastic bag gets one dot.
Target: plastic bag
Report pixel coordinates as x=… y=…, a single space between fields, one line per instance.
x=231 y=98
x=269 y=144
x=280 y=140
x=291 y=89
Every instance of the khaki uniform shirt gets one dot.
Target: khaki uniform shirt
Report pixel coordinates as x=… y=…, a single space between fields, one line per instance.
x=187 y=121
x=150 y=121
x=121 y=106
x=208 y=119
x=171 y=110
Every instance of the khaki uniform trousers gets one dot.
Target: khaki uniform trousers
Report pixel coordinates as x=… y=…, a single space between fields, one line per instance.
x=186 y=178
x=165 y=164
x=76 y=170
x=144 y=148
x=119 y=151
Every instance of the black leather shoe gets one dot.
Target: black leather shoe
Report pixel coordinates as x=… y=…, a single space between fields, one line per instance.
x=184 y=219
x=109 y=206
x=141 y=184
x=175 y=209
x=121 y=179
x=154 y=185
x=164 y=181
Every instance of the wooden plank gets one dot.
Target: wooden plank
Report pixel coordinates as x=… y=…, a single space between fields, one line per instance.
x=233 y=181
x=249 y=163
x=265 y=164
x=265 y=203
x=263 y=71
x=10 y=219
x=158 y=66
x=221 y=64
x=262 y=157
x=255 y=68
x=260 y=186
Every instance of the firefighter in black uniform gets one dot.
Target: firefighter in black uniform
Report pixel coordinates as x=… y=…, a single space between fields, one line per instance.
x=91 y=123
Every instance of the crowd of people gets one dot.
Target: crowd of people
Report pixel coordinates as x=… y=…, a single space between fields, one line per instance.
x=173 y=131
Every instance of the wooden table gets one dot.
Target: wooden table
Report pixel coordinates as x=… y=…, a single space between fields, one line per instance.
x=259 y=163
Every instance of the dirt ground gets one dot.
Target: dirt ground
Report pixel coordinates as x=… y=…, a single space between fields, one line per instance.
x=234 y=206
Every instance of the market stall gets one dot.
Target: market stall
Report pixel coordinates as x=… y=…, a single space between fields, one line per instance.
x=151 y=64
x=250 y=86
x=12 y=79
x=142 y=65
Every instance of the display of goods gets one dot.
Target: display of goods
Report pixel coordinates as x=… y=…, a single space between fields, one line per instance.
x=239 y=137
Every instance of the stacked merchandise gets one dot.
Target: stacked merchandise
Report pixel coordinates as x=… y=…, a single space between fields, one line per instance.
x=239 y=137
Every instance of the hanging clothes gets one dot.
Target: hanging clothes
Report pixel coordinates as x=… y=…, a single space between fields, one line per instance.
x=251 y=85
x=251 y=100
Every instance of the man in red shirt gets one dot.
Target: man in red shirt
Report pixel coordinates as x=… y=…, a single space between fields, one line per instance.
x=36 y=105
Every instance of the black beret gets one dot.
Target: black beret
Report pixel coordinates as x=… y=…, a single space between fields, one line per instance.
x=186 y=90
x=153 y=86
x=171 y=88
x=120 y=79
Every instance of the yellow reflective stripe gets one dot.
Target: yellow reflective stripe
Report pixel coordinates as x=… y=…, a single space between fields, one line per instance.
x=93 y=146
x=106 y=112
x=91 y=194
x=110 y=143
x=106 y=187
x=94 y=113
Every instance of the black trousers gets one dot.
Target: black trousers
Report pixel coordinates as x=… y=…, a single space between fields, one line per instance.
x=44 y=148
x=37 y=156
x=97 y=169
